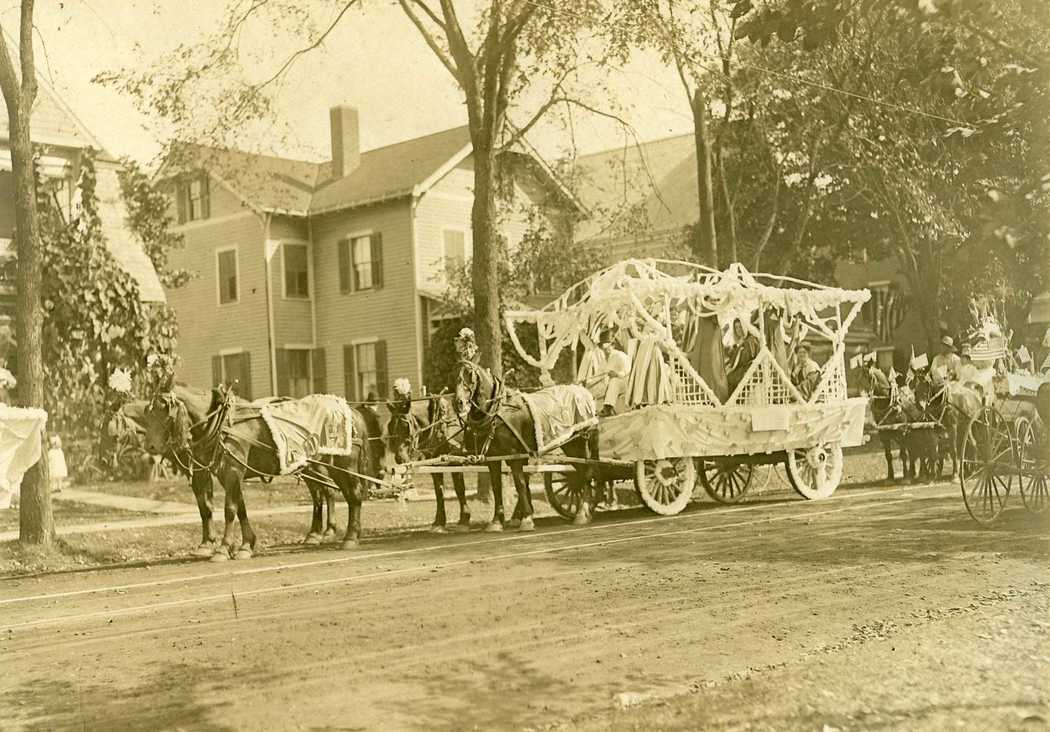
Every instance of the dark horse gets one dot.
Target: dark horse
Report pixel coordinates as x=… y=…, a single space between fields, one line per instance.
x=231 y=440
x=128 y=424
x=418 y=430
x=497 y=422
x=934 y=404
x=887 y=409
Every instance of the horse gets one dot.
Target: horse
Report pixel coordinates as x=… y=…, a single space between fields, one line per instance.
x=934 y=402
x=886 y=409
x=498 y=422
x=231 y=440
x=420 y=431
x=127 y=424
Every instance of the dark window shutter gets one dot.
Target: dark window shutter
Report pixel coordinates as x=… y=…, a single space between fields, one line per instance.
x=381 y=370
x=181 y=194
x=244 y=388
x=205 y=197
x=283 y=387
x=349 y=374
x=377 y=260
x=216 y=370
x=319 y=372
x=344 y=265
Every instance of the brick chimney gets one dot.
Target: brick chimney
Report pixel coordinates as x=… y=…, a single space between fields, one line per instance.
x=346 y=148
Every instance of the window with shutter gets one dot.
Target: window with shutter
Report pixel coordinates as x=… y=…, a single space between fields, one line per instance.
x=281 y=359
x=381 y=370
x=361 y=262
x=365 y=360
x=194 y=198
x=233 y=369
x=296 y=259
x=298 y=372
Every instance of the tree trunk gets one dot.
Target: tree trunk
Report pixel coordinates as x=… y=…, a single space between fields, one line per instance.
x=36 y=523
x=704 y=185
x=485 y=263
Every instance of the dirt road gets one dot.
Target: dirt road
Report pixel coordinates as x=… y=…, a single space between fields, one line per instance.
x=875 y=608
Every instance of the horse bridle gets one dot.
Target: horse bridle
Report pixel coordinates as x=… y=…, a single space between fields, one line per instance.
x=179 y=429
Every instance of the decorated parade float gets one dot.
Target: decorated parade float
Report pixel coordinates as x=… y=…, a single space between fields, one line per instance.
x=720 y=377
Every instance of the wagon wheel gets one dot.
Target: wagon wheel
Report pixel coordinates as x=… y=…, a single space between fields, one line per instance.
x=726 y=480
x=815 y=472
x=1032 y=467
x=562 y=495
x=665 y=486
x=986 y=465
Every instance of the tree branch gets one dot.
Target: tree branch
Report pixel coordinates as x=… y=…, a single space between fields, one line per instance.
x=8 y=78
x=431 y=41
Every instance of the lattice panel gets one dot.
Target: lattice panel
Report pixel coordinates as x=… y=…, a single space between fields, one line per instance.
x=833 y=388
x=764 y=386
x=687 y=389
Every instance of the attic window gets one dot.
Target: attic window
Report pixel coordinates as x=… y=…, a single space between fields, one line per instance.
x=194 y=199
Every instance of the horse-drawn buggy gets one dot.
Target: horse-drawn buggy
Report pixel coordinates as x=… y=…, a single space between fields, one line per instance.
x=1004 y=443
x=716 y=381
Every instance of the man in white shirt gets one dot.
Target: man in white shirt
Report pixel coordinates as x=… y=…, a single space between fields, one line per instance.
x=945 y=365
x=611 y=378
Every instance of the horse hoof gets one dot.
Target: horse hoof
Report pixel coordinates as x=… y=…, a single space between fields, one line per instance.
x=312 y=540
x=204 y=551
x=329 y=536
x=514 y=523
x=222 y=554
x=244 y=553
x=494 y=527
x=581 y=519
x=527 y=524
x=460 y=528
x=349 y=544
x=438 y=529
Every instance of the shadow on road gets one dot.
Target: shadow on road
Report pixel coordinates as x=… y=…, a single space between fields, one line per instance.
x=168 y=699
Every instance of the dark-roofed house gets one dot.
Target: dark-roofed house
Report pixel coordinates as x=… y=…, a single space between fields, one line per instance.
x=62 y=140
x=324 y=277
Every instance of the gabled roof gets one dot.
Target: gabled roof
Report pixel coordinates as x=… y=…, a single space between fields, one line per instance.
x=302 y=188
x=658 y=178
x=298 y=187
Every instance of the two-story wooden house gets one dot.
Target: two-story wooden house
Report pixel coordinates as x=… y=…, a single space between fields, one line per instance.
x=325 y=277
x=61 y=141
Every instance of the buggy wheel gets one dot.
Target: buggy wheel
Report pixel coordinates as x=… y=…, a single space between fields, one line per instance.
x=562 y=495
x=815 y=472
x=665 y=486
x=986 y=465
x=726 y=480
x=1035 y=492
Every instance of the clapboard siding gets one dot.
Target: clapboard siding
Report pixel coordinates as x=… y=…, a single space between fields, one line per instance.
x=206 y=327
x=386 y=313
x=292 y=318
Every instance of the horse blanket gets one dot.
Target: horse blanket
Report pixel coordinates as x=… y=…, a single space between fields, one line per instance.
x=559 y=412
x=302 y=429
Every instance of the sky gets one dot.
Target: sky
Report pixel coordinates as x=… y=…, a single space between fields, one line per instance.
x=375 y=61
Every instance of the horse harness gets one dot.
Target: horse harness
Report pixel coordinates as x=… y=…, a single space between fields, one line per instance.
x=485 y=425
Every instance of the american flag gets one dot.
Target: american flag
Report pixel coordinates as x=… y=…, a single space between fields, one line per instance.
x=888 y=307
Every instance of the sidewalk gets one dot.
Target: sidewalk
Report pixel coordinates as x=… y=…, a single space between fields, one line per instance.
x=125 y=503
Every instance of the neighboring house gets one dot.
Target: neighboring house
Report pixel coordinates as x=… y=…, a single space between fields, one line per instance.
x=61 y=141
x=326 y=277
